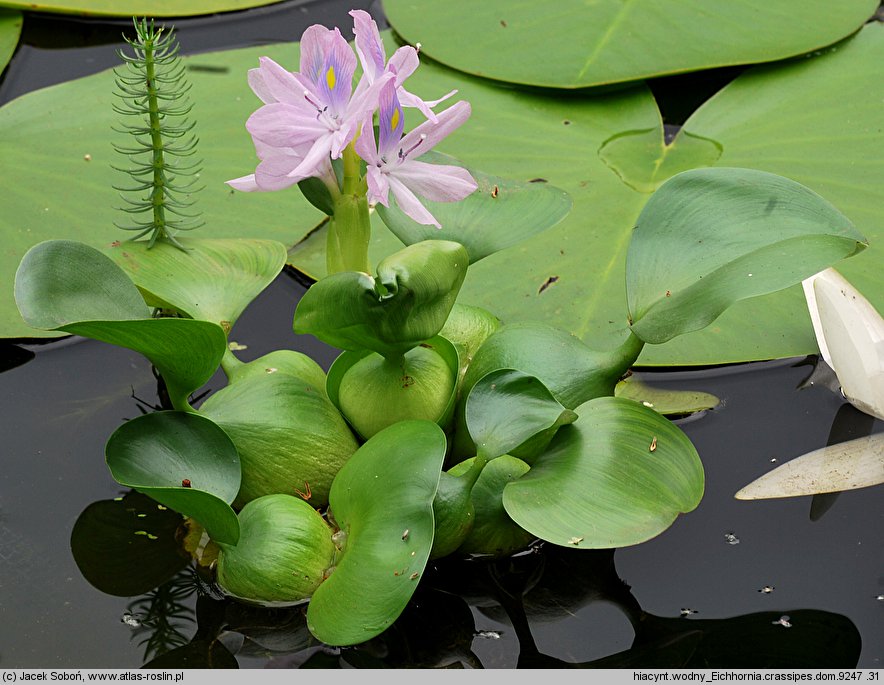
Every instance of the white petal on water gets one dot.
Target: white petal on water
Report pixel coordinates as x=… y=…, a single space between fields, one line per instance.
x=848 y=465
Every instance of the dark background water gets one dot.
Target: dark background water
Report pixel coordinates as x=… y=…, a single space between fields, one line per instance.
x=60 y=401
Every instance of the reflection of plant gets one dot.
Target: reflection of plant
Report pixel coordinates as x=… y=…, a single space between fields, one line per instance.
x=163 y=616
x=152 y=92
x=548 y=450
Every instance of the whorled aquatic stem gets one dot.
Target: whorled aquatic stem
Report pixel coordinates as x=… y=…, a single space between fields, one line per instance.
x=153 y=98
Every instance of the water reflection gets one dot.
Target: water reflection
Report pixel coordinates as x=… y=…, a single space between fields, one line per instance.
x=183 y=622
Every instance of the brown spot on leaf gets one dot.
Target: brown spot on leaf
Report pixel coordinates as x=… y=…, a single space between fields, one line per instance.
x=547 y=283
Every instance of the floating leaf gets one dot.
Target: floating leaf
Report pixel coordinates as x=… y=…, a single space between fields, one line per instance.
x=663 y=400
x=611 y=41
x=130 y=8
x=284 y=550
x=289 y=436
x=64 y=285
x=10 y=30
x=184 y=461
x=711 y=237
x=382 y=500
x=847 y=465
x=406 y=304
x=214 y=280
x=127 y=546
x=506 y=408
x=493 y=532
x=499 y=214
x=617 y=476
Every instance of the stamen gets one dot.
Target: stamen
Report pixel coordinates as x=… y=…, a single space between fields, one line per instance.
x=403 y=155
x=313 y=102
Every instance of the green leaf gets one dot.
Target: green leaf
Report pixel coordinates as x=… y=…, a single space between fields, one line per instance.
x=506 y=408
x=214 y=280
x=711 y=237
x=127 y=546
x=382 y=500
x=289 y=436
x=130 y=8
x=407 y=303
x=499 y=214
x=618 y=476
x=663 y=400
x=849 y=465
x=63 y=285
x=583 y=44
x=284 y=551
x=184 y=461
x=493 y=532
x=10 y=30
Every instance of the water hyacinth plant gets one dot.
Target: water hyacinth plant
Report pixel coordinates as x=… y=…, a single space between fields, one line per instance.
x=439 y=429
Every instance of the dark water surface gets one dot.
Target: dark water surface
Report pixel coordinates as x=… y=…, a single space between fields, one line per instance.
x=696 y=589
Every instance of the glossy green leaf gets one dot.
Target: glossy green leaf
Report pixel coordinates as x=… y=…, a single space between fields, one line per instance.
x=407 y=303
x=857 y=463
x=127 y=546
x=283 y=553
x=493 y=532
x=130 y=8
x=506 y=408
x=663 y=400
x=10 y=30
x=184 y=461
x=605 y=151
x=618 y=476
x=467 y=328
x=571 y=371
x=708 y=238
x=382 y=500
x=579 y=44
x=214 y=280
x=64 y=285
x=499 y=214
x=289 y=436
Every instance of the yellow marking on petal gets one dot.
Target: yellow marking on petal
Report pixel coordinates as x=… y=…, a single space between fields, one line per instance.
x=330 y=78
x=394 y=120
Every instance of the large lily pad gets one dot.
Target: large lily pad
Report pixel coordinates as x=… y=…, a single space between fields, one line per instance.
x=606 y=152
x=618 y=476
x=139 y=8
x=382 y=499
x=10 y=30
x=578 y=44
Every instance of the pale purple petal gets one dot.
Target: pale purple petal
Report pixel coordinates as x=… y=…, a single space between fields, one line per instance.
x=335 y=83
x=378 y=186
x=365 y=146
x=245 y=183
x=423 y=138
x=425 y=106
x=365 y=102
x=282 y=125
x=313 y=50
x=404 y=61
x=391 y=123
x=315 y=159
x=437 y=182
x=368 y=45
x=273 y=83
x=409 y=203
